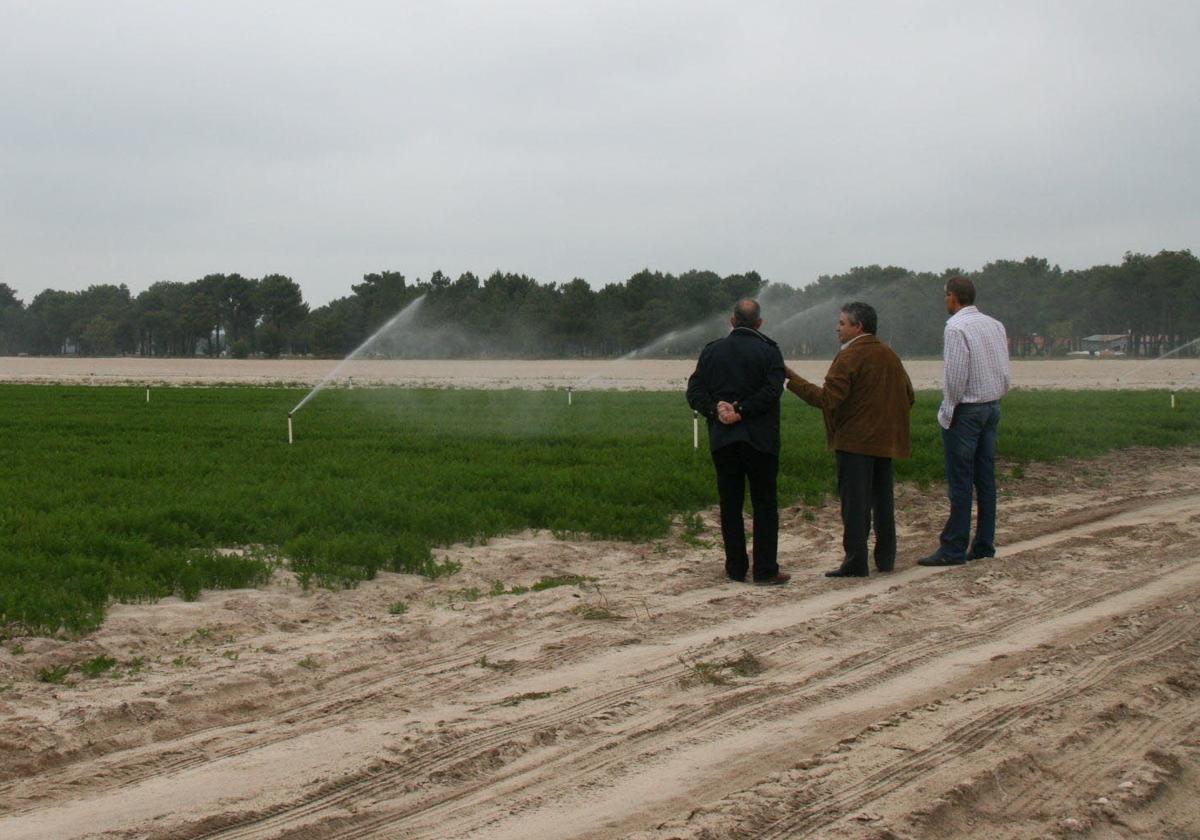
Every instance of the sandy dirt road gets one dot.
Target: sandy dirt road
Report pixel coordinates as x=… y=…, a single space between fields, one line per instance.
x=1052 y=691
x=631 y=374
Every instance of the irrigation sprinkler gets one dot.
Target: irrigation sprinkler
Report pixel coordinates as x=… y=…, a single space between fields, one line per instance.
x=570 y=392
x=147 y=394
x=695 y=430
x=290 y=439
x=1172 y=399
x=401 y=318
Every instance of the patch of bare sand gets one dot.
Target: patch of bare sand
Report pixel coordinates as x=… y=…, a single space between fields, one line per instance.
x=1053 y=690
x=635 y=374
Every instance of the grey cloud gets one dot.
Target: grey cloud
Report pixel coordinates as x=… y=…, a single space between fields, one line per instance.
x=146 y=141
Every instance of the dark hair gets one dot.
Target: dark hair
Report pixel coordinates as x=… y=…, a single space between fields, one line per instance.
x=746 y=313
x=962 y=289
x=858 y=312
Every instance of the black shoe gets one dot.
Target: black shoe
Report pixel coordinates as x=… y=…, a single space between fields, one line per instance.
x=842 y=571
x=971 y=555
x=778 y=579
x=885 y=569
x=730 y=577
x=939 y=559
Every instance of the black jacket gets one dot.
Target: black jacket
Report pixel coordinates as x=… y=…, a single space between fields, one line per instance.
x=744 y=368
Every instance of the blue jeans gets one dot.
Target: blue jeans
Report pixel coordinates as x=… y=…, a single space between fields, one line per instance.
x=970 y=447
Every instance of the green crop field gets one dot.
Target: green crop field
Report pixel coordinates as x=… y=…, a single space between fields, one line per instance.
x=104 y=496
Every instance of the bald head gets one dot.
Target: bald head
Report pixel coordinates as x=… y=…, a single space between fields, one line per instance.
x=746 y=313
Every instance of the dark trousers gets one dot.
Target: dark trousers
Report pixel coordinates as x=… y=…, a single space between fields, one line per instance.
x=737 y=463
x=970 y=447
x=865 y=486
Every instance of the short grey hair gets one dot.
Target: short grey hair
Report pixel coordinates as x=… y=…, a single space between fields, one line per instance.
x=747 y=313
x=858 y=312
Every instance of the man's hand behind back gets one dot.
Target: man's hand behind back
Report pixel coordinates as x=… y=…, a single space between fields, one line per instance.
x=727 y=414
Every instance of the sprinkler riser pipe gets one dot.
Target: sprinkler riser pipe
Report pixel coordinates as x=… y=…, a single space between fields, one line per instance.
x=290 y=439
x=695 y=430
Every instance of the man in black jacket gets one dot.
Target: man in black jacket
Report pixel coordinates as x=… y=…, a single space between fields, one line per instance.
x=737 y=385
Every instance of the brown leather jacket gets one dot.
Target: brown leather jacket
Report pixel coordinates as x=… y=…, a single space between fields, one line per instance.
x=866 y=400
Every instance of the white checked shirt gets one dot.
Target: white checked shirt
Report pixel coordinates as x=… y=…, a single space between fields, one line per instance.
x=975 y=353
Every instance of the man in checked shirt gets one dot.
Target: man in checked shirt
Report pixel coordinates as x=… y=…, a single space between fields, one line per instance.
x=975 y=377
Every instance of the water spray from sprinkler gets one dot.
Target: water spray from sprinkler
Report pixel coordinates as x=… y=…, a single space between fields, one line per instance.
x=1142 y=365
x=400 y=317
x=698 y=330
x=802 y=317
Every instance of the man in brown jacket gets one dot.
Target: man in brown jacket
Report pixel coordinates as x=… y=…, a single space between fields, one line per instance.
x=866 y=400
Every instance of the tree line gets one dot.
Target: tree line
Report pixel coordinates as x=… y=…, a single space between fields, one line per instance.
x=1152 y=299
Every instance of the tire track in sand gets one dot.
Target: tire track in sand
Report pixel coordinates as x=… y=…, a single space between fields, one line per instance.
x=976 y=732
x=379 y=783
x=638 y=790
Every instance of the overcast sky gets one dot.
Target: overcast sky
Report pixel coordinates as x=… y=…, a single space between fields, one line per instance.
x=147 y=141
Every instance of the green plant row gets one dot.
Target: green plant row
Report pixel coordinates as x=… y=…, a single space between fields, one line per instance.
x=105 y=497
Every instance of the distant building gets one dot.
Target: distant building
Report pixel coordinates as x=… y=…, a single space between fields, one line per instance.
x=1115 y=343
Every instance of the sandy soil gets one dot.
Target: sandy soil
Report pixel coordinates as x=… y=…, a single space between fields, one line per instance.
x=636 y=374
x=1051 y=691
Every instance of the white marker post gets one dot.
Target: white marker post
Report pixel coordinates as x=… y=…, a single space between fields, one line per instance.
x=570 y=392
x=695 y=430
x=289 y=428
x=147 y=395
x=1172 y=399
